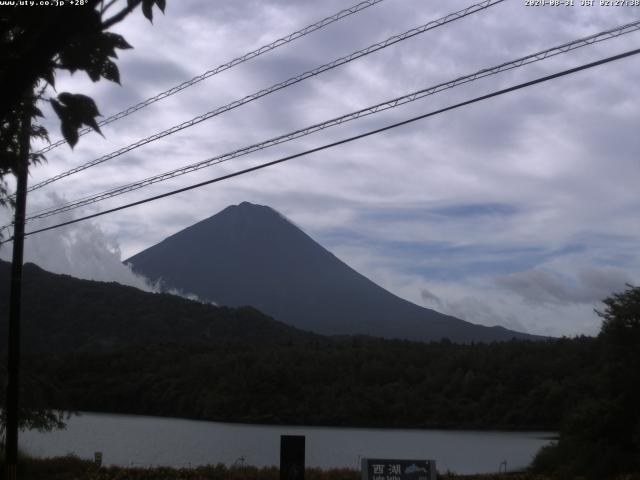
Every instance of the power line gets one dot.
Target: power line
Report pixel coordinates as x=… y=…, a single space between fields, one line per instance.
x=278 y=86
x=346 y=140
x=393 y=103
x=225 y=66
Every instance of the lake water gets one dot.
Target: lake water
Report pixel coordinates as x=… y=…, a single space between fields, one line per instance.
x=129 y=440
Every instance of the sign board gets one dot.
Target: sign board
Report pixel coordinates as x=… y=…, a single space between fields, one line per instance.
x=386 y=469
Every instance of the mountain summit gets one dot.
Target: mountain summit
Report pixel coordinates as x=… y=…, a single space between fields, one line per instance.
x=251 y=255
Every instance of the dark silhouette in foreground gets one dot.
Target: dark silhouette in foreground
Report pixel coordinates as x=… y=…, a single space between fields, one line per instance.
x=600 y=436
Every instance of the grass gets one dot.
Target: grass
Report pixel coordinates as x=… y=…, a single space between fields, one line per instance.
x=73 y=468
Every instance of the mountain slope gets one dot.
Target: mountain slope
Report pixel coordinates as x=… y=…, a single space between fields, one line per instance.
x=62 y=314
x=251 y=255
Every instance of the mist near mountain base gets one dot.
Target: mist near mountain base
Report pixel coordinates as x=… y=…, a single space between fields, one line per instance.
x=81 y=250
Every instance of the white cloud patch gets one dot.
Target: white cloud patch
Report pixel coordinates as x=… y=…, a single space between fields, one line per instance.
x=82 y=250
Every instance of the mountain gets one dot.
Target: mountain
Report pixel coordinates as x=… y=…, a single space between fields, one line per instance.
x=251 y=255
x=65 y=314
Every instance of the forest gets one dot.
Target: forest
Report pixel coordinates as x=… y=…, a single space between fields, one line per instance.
x=350 y=381
x=162 y=355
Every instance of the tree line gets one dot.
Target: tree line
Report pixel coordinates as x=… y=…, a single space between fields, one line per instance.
x=163 y=355
x=346 y=382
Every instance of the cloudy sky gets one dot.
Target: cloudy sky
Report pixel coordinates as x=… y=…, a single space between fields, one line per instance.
x=519 y=211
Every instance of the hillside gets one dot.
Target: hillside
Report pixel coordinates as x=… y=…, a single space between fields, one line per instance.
x=105 y=347
x=62 y=313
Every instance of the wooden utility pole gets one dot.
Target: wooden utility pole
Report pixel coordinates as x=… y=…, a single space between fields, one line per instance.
x=15 y=299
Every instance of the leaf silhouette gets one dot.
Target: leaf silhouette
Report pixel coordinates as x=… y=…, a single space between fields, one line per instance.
x=75 y=110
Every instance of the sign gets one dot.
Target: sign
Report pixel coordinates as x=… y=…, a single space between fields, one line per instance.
x=385 y=469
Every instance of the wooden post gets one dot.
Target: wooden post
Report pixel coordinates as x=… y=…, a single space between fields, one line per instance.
x=292 y=457
x=15 y=299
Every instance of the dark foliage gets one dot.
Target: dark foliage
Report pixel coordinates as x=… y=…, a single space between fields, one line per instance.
x=34 y=43
x=61 y=314
x=75 y=111
x=107 y=347
x=116 y=349
x=35 y=413
x=350 y=381
x=600 y=436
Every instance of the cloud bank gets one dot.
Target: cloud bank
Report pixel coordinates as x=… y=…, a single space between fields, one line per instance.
x=519 y=211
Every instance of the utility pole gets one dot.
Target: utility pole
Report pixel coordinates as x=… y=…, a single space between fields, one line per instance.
x=15 y=299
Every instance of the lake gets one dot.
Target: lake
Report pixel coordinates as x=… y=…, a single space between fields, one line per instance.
x=130 y=440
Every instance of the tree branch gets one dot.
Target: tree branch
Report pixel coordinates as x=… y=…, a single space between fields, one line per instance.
x=106 y=7
x=118 y=17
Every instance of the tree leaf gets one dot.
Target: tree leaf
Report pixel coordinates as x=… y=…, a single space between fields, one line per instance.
x=69 y=132
x=117 y=41
x=91 y=122
x=74 y=111
x=110 y=72
x=49 y=76
x=147 y=9
x=79 y=104
x=58 y=108
x=36 y=158
x=93 y=71
x=38 y=131
x=92 y=52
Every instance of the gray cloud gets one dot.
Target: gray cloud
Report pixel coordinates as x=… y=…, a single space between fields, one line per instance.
x=479 y=311
x=429 y=297
x=558 y=161
x=153 y=73
x=542 y=287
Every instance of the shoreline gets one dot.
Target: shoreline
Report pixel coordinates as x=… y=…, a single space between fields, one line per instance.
x=548 y=434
